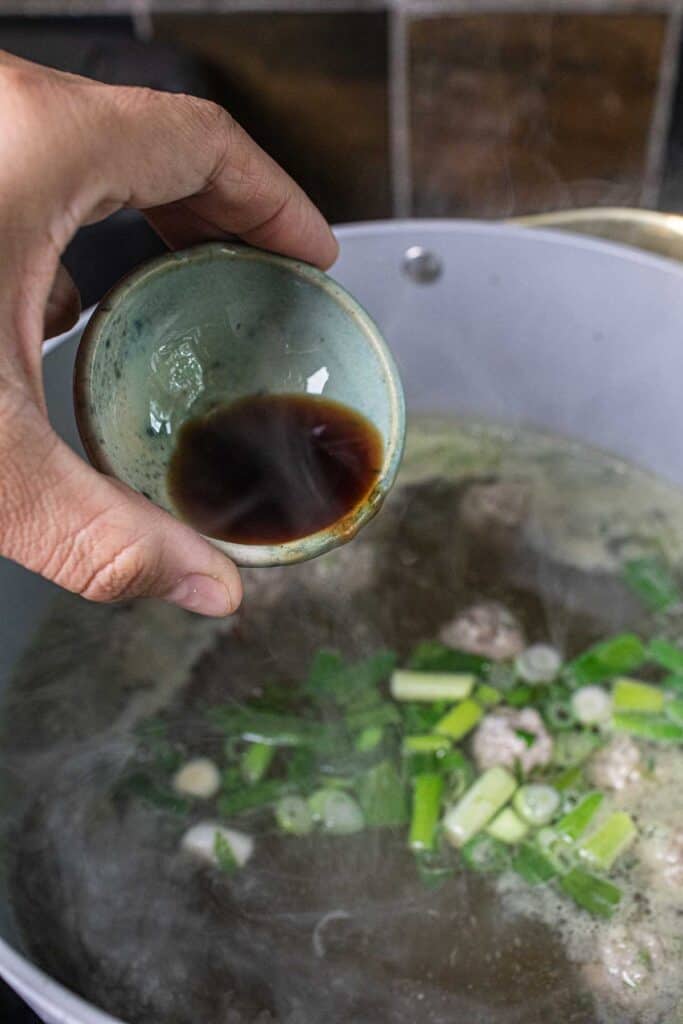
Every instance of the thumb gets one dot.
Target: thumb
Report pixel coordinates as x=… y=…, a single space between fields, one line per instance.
x=63 y=305
x=96 y=537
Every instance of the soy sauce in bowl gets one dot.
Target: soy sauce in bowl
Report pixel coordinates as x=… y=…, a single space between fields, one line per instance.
x=268 y=469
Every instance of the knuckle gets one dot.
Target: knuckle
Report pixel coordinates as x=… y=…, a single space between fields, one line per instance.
x=124 y=573
x=212 y=117
x=119 y=568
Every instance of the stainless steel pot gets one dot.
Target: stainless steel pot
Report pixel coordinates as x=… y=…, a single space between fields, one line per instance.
x=575 y=335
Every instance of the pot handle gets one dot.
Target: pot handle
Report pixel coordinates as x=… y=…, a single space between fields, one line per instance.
x=660 y=233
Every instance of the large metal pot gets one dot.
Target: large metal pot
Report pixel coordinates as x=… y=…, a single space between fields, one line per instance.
x=575 y=335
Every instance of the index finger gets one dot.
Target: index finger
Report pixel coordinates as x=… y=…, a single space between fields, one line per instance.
x=197 y=174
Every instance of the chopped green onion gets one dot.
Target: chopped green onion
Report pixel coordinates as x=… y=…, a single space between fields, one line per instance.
x=373 y=718
x=632 y=695
x=461 y=720
x=537 y=803
x=572 y=747
x=650 y=579
x=251 y=798
x=407 y=684
x=673 y=683
x=330 y=679
x=591 y=705
x=479 y=805
x=487 y=695
x=569 y=778
x=508 y=827
x=673 y=709
x=609 y=841
x=257 y=726
x=594 y=894
x=432 y=656
x=458 y=773
x=575 y=822
x=558 y=714
x=648 y=727
x=428 y=744
x=529 y=738
x=539 y=663
x=533 y=865
x=520 y=696
x=382 y=796
x=255 y=761
x=486 y=854
x=294 y=815
x=337 y=812
x=669 y=656
x=556 y=848
x=623 y=653
x=225 y=858
x=225 y=848
x=369 y=738
x=427 y=791
x=302 y=768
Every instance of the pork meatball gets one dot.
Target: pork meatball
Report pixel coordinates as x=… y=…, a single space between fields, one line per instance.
x=503 y=739
x=487 y=628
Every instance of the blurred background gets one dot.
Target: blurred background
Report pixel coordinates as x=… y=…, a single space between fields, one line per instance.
x=393 y=108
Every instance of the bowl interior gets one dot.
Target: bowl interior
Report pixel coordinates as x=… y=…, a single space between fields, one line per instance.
x=209 y=325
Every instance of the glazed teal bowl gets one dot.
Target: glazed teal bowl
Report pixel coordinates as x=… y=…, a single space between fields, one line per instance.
x=214 y=323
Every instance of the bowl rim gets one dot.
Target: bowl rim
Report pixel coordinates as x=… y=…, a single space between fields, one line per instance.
x=252 y=555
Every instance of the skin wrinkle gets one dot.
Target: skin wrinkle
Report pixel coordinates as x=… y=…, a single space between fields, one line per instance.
x=120 y=575
x=72 y=151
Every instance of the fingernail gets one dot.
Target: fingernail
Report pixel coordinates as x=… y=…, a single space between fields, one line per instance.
x=201 y=594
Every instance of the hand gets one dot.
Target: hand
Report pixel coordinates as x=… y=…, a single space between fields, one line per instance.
x=72 y=151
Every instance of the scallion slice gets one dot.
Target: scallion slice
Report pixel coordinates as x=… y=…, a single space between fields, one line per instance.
x=594 y=894
x=673 y=709
x=409 y=685
x=486 y=854
x=479 y=805
x=622 y=653
x=255 y=761
x=533 y=865
x=427 y=791
x=508 y=827
x=487 y=696
x=336 y=811
x=591 y=705
x=609 y=841
x=428 y=744
x=293 y=815
x=539 y=663
x=537 y=803
x=382 y=795
x=575 y=822
x=632 y=695
x=461 y=720
x=647 y=727
x=369 y=738
x=668 y=655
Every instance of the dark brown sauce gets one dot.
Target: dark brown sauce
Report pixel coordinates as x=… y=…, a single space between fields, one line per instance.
x=273 y=468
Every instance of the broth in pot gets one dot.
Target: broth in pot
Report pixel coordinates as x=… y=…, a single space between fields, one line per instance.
x=433 y=775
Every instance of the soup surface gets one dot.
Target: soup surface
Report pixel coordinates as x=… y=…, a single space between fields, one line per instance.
x=234 y=821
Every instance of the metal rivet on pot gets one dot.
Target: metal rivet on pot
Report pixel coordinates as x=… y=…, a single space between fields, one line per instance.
x=421 y=265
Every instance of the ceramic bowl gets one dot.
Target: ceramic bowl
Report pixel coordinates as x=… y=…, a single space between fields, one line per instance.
x=214 y=323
